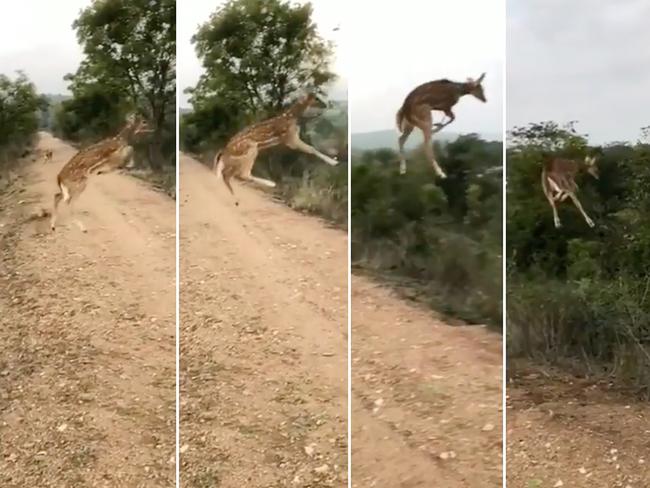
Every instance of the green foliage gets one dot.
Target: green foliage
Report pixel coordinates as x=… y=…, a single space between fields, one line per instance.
x=260 y=52
x=445 y=234
x=257 y=55
x=19 y=116
x=129 y=62
x=91 y=114
x=576 y=293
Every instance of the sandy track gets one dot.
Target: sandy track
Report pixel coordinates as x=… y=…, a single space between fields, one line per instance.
x=426 y=397
x=87 y=331
x=563 y=431
x=263 y=340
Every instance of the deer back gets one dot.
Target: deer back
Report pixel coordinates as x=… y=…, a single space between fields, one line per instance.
x=271 y=129
x=92 y=159
x=437 y=95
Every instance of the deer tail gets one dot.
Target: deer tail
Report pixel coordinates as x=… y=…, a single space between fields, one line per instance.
x=217 y=164
x=399 y=118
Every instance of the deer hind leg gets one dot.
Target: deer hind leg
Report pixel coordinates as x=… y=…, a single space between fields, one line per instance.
x=247 y=168
x=576 y=202
x=57 y=199
x=551 y=200
x=74 y=217
x=407 y=128
x=68 y=194
x=294 y=142
x=227 y=171
x=422 y=120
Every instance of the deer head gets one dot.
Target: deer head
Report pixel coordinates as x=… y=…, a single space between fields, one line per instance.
x=475 y=87
x=590 y=165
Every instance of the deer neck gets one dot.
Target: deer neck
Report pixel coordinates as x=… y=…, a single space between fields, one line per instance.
x=298 y=108
x=464 y=88
x=124 y=136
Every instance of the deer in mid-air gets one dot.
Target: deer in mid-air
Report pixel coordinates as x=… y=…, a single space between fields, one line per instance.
x=238 y=156
x=440 y=95
x=558 y=182
x=47 y=156
x=102 y=157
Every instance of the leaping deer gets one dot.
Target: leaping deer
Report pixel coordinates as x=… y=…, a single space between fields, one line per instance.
x=439 y=95
x=558 y=183
x=238 y=157
x=47 y=156
x=103 y=157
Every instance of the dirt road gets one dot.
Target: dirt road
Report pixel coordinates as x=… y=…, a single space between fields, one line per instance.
x=426 y=397
x=87 y=333
x=568 y=432
x=263 y=341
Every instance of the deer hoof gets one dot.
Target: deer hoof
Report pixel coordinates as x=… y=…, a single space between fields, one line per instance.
x=590 y=223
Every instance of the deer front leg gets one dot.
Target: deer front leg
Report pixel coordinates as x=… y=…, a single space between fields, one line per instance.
x=441 y=125
x=297 y=144
x=401 y=141
x=576 y=202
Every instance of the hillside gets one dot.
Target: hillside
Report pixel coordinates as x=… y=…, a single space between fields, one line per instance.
x=366 y=141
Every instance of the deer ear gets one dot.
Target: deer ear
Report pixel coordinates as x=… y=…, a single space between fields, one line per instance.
x=480 y=78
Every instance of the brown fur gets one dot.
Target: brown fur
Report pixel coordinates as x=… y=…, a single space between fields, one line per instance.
x=558 y=183
x=103 y=157
x=440 y=95
x=237 y=158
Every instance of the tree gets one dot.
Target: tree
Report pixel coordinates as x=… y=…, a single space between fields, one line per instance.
x=130 y=47
x=257 y=54
x=19 y=108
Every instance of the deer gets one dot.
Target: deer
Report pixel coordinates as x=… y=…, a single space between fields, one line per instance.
x=47 y=156
x=439 y=95
x=238 y=156
x=105 y=156
x=558 y=183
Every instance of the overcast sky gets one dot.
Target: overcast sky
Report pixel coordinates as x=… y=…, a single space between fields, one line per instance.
x=401 y=44
x=328 y=14
x=36 y=36
x=584 y=60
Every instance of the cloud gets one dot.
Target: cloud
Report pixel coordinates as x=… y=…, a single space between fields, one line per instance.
x=581 y=60
x=36 y=37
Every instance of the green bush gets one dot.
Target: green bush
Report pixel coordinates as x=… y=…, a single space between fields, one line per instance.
x=579 y=296
x=19 y=117
x=443 y=237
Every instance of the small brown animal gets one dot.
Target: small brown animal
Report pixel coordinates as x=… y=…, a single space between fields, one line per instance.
x=238 y=157
x=47 y=156
x=439 y=95
x=103 y=157
x=558 y=183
